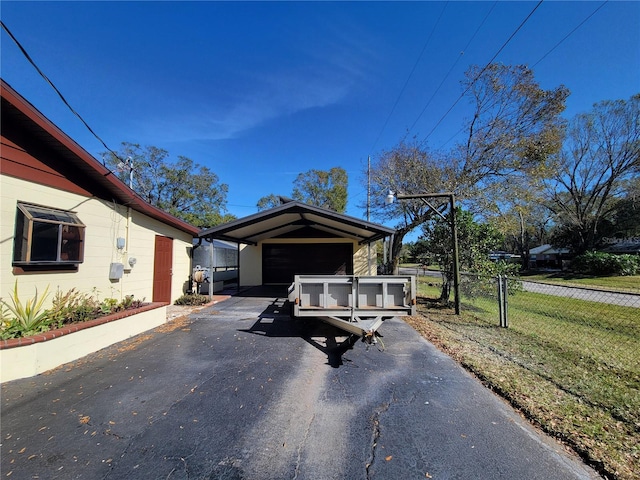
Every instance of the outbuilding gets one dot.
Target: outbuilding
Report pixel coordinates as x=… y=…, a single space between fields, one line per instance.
x=296 y=238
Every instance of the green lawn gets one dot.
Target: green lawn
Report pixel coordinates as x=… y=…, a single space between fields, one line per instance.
x=620 y=283
x=571 y=366
x=626 y=283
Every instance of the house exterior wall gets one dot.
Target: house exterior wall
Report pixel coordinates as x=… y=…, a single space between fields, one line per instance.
x=365 y=260
x=105 y=222
x=250 y=265
x=251 y=257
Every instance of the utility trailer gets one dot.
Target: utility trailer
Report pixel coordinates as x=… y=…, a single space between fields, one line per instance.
x=356 y=304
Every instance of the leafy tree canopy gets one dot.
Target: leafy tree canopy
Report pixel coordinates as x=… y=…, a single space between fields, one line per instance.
x=475 y=242
x=183 y=188
x=269 y=201
x=325 y=189
x=597 y=170
x=512 y=134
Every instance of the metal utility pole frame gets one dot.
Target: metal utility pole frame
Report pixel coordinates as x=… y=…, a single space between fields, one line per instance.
x=454 y=236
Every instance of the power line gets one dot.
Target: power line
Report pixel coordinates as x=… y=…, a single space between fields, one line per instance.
x=466 y=47
x=384 y=126
x=570 y=33
x=548 y=52
x=483 y=70
x=64 y=100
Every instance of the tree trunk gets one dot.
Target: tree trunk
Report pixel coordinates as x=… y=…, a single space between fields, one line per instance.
x=445 y=293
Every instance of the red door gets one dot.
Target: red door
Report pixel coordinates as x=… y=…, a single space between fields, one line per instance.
x=162 y=263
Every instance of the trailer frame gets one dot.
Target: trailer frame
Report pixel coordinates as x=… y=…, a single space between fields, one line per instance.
x=356 y=304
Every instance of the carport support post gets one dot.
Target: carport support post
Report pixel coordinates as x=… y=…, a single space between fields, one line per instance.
x=238 y=268
x=211 y=257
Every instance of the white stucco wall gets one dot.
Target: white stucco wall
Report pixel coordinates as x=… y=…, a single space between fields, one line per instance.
x=105 y=222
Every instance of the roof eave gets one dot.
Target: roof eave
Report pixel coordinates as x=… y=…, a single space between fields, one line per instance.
x=94 y=169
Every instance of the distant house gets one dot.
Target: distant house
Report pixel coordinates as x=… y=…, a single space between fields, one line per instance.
x=68 y=222
x=547 y=256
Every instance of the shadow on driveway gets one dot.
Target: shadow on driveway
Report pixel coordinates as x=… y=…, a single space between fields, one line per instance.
x=276 y=321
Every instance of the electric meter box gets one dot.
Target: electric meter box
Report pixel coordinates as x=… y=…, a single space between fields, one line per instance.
x=115 y=271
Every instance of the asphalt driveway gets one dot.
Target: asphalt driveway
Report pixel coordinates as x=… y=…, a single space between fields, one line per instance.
x=241 y=391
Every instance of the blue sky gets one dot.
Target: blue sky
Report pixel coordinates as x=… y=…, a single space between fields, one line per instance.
x=262 y=91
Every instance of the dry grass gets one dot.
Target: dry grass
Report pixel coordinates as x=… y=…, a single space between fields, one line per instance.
x=560 y=383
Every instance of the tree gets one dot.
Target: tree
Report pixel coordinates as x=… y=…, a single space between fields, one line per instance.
x=269 y=201
x=525 y=222
x=409 y=169
x=325 y=189
x=475 y=242
x=185 y=189
x=513 y=132
x=601 y=156
x=626 y=217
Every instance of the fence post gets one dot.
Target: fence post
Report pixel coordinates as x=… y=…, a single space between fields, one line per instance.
x=500 y=303
x=505 y=301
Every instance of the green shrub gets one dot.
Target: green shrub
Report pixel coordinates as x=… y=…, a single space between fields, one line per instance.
x=193 y=300
x=108 y=306
x=600 y=263
x=482 y=283
x=72 y=307
x=23 y=319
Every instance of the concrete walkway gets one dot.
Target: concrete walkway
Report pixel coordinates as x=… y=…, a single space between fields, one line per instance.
x=239 y=390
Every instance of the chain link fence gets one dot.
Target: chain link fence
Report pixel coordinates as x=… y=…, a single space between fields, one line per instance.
x=597 y=327
x=569 y=356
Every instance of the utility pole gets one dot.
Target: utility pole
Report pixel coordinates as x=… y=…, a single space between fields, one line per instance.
x=368 y=211
x=454 y=232
x=368 y=186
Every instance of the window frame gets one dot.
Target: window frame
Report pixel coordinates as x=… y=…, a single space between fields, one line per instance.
x=30 y=218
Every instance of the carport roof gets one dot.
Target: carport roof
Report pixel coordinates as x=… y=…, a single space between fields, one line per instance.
x=289 y=217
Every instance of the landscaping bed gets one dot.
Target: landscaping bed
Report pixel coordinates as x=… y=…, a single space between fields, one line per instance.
x=31 y=355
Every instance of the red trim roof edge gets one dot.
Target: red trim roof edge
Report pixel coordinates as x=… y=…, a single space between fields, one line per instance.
x=126 y=195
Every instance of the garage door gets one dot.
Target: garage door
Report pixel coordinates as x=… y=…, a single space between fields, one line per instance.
x=280 y=262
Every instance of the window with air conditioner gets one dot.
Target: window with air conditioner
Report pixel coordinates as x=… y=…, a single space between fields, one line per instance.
x=47 y=236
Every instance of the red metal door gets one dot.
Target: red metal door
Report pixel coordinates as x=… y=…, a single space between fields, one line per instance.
x=162 y=269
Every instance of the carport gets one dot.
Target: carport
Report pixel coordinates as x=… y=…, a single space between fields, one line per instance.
x=296 y=238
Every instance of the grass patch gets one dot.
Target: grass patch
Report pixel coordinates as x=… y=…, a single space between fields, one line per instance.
x=572 y=370
x=619 y=283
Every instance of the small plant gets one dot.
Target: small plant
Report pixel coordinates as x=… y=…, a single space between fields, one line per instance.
x=137 y=303
x=126 y=303
x=23 y=319
x=192 y=300
x=5 y=319
x=72 y=307
x=108 y=305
